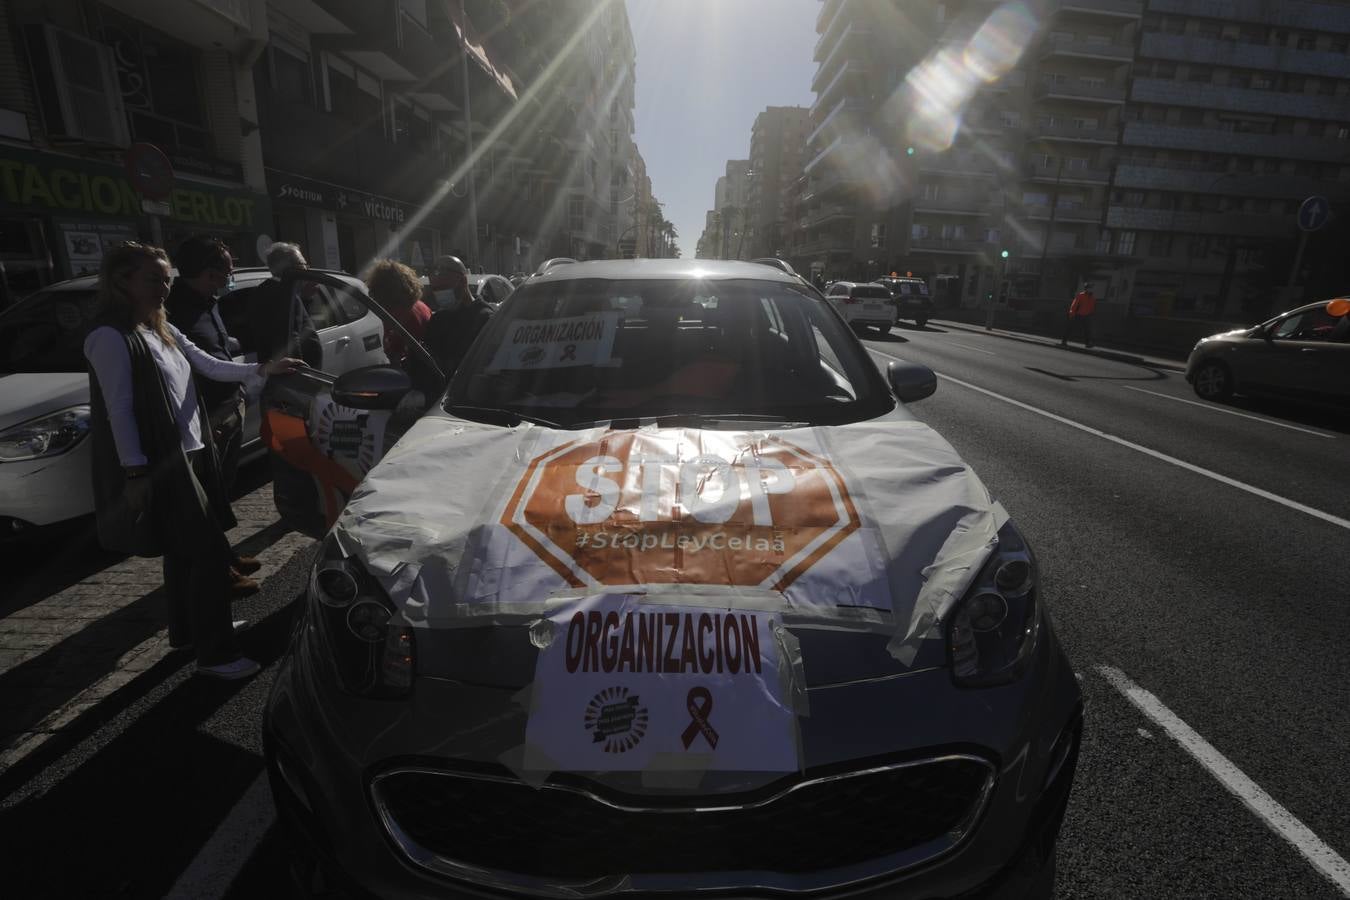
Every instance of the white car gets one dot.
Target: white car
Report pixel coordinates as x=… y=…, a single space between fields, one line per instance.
x=863 y=304
x=491 y=289
x=44 y=402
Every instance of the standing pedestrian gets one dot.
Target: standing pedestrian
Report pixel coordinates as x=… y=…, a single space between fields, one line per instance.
x=458 y=318
x=280 y=323
x=397 y=288
x=1082 y=308
x=205 y=272
x=156 y=473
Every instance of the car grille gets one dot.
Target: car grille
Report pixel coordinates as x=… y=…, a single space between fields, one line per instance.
x=563 y=833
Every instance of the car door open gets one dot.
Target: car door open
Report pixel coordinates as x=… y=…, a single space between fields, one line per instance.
x=325 y=432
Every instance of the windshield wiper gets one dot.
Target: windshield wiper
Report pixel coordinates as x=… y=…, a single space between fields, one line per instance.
x=516 y=417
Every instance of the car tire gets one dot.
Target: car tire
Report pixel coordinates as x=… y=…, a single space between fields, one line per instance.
x=921 y=321
x=1213 y=381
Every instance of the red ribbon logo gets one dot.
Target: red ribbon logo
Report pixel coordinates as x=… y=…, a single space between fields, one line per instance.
x=700 y=704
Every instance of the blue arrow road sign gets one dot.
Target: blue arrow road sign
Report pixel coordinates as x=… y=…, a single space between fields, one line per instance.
x=1313 y=213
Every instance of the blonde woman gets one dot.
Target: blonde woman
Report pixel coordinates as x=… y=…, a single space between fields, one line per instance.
x=156 y=474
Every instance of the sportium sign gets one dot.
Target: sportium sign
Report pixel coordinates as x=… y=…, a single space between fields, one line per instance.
x=68 y=185
x=692 y=507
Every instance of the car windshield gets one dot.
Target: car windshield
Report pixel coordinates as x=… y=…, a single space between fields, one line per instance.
x=580 y=351
x=45 y=332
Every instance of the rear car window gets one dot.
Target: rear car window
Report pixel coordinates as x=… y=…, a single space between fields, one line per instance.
x=871 y=291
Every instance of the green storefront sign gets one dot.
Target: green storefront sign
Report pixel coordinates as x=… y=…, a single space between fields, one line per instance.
x=43 y=182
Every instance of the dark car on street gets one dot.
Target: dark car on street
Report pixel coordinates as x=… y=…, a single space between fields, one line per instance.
x=1303 y=354
x=911 y=298
x=667 y=594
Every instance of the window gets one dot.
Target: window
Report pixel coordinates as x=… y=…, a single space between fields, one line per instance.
x=1200 y=74
x=1035 y=198
x=290 y=75
x=1312 y=325
x=1339 y=45
x=1192 y=117
x=1307 y=42
x=1076 y=163
x=1125 y=243
x=878 y=234
x=1160 y=244
x=1104 y=241
x=955 y=232
x=918 y=232
x=1133 y=198
x=1262 y=81
x=1209 y=29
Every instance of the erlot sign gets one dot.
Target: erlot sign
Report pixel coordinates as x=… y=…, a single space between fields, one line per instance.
x=681 y=507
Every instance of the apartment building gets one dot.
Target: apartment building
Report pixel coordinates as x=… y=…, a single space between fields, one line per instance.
x=1156 y=148
x=777 y=145
x=82 y=81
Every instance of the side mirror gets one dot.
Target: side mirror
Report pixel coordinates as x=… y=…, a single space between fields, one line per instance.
x=911 y=381
x=372 y=387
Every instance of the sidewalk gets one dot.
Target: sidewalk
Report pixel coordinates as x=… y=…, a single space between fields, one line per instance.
x=1154 y=362
x=64 y=654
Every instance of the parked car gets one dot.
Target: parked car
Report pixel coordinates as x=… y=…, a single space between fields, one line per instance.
x=780 y=264
x=1301 y=354
x=863 y=304
x=44 y=406
x=911 y=298
x=491 y=289
x=566 y=634
x=555 y=261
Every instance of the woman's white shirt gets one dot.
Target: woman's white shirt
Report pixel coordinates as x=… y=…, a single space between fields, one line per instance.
x=106 y=350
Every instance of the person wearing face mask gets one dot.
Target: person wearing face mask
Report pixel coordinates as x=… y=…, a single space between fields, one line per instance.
x=157 y=488
x=205 y=273
x=459 y=315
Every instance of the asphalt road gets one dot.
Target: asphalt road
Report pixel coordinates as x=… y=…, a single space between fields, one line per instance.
x=1196 y=552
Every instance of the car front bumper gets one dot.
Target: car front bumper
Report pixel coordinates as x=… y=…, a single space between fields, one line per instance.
x=325 y=751
x=49 y=491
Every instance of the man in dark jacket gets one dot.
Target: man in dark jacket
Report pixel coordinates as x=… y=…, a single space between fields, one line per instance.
x=458 y=318
x=205 y=270
x=280 y=323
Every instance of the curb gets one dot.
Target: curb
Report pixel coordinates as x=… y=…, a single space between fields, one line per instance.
x=1151 y=362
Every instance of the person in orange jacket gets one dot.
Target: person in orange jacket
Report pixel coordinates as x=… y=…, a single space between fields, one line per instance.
x=1081 y=309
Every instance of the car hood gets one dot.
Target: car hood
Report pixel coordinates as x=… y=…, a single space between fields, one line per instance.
x=853 y=541
x=25 y=396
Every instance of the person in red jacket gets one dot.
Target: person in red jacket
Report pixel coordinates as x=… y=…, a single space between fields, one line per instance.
x=1081 y=310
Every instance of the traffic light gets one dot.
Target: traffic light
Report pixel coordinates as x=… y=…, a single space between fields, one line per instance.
x=1004 y=254
x=909 y=151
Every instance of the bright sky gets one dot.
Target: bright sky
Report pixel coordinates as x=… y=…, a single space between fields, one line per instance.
x=705 y=69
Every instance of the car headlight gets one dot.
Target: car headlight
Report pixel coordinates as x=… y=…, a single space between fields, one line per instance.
x=354 y=618
x=49 y=435
x=993 y=629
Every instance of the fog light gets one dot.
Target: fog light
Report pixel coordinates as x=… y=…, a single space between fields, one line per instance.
x=337 y=587
x=987 y=611
x=1013 y=576
x=368 y=620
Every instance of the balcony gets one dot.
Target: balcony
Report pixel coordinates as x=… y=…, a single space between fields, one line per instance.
x=1074 y=134
x=838 y=179
x=1079 y=91
x=839 y=52
x=959 y=164
x=851 y=69
x=829 y=212
x=829 y=244
x=1078 y=49
x=300 y=139
x=839 y=115
x=1214 y=52
x=1066 y=213
x=1232 y=99
x=958 y=205
x=1112 y=9
x=831 y=14
x=1210 y=140
x=1052 y=172
x=1244 y=184
x=1193 y=222
x=950 y=245
x=1308 y=16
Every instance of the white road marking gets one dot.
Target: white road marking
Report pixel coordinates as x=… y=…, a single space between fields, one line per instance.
x=1276 y=817
x=221 y=859
x=1232 y=412
x=976 y=349
x=1148 y=451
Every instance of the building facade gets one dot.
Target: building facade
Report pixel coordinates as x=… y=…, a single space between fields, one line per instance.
x=1157 y=149
x=777 y=145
